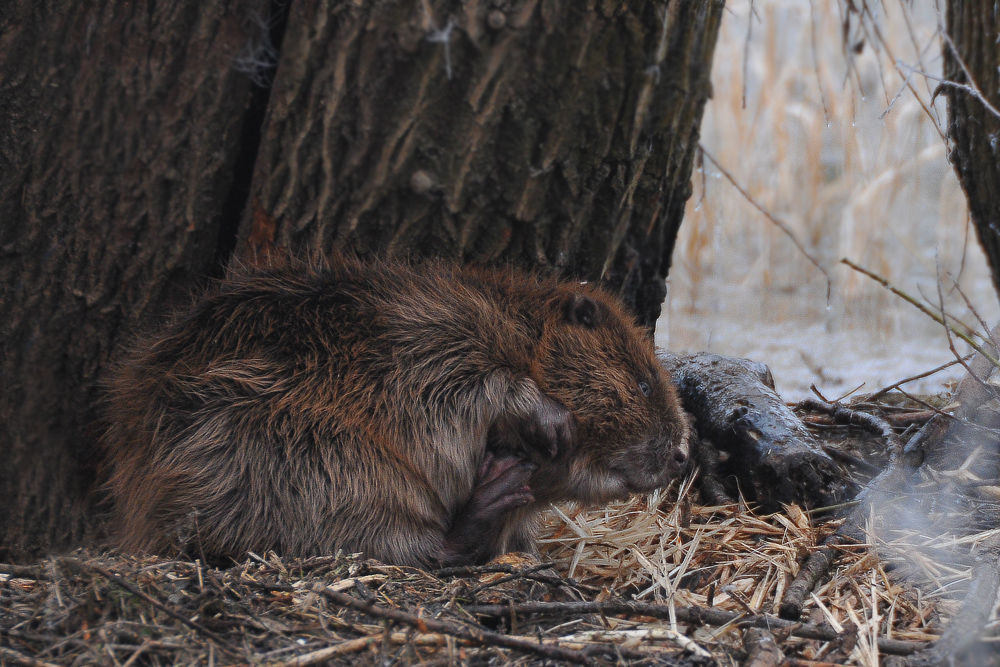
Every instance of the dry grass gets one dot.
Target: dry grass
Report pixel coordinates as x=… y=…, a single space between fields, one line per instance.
x=680 y=554
x=701 y=572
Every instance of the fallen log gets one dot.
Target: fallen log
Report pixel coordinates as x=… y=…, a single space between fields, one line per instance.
x=767 y=455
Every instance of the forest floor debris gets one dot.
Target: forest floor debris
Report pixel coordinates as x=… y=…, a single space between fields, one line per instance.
x=658 y=580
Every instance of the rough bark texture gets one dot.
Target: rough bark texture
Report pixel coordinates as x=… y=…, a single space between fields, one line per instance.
x=119 y=122
x=971 y=59
x=550 y=134
x=553 y=133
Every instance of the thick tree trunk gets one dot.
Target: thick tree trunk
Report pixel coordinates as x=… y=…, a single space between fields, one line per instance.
x=550 y=134
x=556 y=134
x=971 y=59
x=119 y=123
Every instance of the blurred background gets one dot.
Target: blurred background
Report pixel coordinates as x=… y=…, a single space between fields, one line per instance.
x=833 y=132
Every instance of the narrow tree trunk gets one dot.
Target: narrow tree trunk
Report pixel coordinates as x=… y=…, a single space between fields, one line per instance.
x=972 y=56
x=119 y=123
x=550 y=134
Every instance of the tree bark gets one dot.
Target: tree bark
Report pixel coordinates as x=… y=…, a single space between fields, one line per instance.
x=971 y=56
x=554 y=135
x=119 y=123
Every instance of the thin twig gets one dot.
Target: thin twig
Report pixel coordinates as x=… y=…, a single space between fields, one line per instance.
x=779 y=224
x=484 y=637
x=358 y=644
x=875 y=43
x=529 y=574
x=819 y=81
x=123 y=583
x=924 y=309
x=885 y=390
x=23 y=571
x=979 y=318
x=906 y=79
x=692 y=614
x=872 y=423
x=18 y=658
x=746 y=52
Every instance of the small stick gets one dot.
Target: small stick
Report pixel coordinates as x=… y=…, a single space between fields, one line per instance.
x=885 y=390
x=123 y=583
x=813 y=569
x=924 y=309
x=692 y=614
x=471 y=570
x=473 y=634
x=799 y=662
x=23 y=572
x=355 y=645
x=870 y=422
x=515 y=573
x=990 y=333
x=651 y=634
x=530 y=574
x=893 y=418
x=18 y=658
x=779 y=224
x=746 y=53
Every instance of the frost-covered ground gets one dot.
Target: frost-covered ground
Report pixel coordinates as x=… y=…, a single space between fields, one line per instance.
x=834 y=350
x=833 y=143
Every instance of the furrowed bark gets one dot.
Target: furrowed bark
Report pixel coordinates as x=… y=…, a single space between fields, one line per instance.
x=558 y=135
x=971 y=56
x=118 y=128
x=555 y=135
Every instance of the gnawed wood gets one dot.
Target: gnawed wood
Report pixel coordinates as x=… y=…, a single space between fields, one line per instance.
x=767 y=450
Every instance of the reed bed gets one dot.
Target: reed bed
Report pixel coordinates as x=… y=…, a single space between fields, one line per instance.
x=837 y=135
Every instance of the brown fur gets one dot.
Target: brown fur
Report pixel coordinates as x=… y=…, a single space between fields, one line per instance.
x=350 y=407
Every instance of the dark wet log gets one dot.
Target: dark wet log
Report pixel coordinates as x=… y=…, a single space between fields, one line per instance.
x=553 y=135
x=815 y=567
x=772 y=457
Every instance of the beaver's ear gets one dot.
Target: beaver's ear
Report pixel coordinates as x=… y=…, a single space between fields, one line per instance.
x=580 y=309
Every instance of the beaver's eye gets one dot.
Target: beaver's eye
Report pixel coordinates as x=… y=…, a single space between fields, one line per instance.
x=645 y=389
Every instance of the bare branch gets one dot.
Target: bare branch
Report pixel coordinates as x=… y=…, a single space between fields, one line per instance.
x=778 y=223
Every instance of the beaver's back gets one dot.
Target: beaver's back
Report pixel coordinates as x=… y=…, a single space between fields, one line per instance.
x=287 y=400
x=308 y=409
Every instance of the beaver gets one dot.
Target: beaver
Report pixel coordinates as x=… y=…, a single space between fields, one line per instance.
x=421 y=413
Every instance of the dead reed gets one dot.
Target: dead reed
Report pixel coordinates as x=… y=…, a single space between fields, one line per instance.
x=835 y=134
